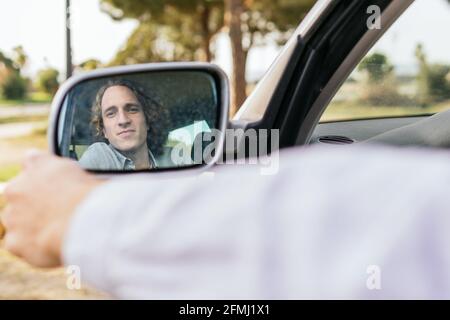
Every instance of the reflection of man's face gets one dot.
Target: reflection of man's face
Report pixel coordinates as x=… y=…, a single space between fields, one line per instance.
x=123 y=119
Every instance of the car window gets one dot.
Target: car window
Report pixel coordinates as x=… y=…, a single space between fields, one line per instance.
x=406 y=73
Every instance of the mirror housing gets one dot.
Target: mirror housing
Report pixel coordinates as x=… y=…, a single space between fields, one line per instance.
x=170 y=85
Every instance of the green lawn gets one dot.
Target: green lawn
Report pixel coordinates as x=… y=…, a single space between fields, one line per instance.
x=33 y=98
x=9 y=171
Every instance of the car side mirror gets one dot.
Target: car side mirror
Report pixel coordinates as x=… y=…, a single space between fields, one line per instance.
x=160 y=116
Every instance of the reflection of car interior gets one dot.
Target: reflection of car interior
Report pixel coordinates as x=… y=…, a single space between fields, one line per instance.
x=182 y=137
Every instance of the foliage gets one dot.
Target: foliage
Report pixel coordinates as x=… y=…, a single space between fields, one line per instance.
x=47 y=80
x=7 y=62
x=14 y=86
x=20 y=57
x=152 y=43
x=439 y=82
x=90 y=64
x=377 y=66
x=433 y=80
x=185 y=30
x=259 y=18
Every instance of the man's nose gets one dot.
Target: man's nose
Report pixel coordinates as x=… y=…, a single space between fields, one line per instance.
x=123 y=119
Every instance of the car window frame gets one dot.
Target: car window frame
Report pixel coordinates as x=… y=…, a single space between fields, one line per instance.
x=313 y=74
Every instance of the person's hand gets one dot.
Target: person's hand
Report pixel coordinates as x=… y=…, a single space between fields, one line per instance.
x=40 y=203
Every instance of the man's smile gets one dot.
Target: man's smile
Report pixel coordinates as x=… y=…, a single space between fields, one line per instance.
x=126 y=133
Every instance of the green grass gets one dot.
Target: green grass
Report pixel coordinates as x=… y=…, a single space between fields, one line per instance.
x=9 y=171
x=33 y=98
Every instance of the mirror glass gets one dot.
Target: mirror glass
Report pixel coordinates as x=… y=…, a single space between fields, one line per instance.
x=140 y=121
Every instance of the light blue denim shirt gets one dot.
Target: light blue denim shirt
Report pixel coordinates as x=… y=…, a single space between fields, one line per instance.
x=102 y=156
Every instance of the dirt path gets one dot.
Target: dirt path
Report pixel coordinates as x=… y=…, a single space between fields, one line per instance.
x=25 y=110
x=20 y=281
x=14 y=147
x=19 y=129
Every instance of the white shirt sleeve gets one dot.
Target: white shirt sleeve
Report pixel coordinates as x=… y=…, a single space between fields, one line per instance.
x=351 y=222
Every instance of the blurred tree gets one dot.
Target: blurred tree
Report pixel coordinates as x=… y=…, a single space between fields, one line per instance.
x=432 y=79
x=151 y=42
x=190 y=24
x=438 y=82
x=185 y=29
x=90 y=64
x=20 y=58
x=6 y=62
x=423 y=94
x=15 y=86
x=6 y=67
x=381 y=86
x=377 y=67
x=12 y=84
x=47 y=80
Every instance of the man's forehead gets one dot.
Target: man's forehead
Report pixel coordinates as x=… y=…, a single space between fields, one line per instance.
x=118 y=95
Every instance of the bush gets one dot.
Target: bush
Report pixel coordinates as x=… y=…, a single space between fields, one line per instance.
x=47 y=80
x=14 y=87
x=377 y=67
x=438 y=85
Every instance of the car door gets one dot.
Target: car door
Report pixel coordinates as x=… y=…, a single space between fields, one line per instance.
x=319 y=66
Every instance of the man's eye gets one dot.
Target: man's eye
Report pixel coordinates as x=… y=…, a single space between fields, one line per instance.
x=134 y=109
x=110 y=114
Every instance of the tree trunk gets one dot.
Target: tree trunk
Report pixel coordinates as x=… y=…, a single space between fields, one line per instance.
x=233 y=12
x=204 y=13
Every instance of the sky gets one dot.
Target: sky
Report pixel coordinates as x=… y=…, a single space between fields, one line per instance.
x=39 y=27
x=426 y=22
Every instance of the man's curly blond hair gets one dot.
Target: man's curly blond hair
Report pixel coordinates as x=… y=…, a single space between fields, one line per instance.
x=156 y=116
